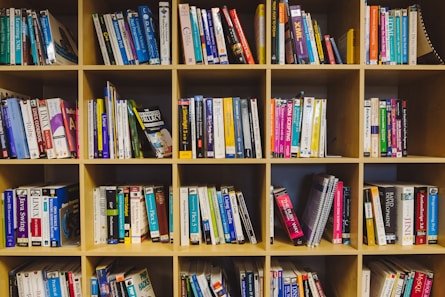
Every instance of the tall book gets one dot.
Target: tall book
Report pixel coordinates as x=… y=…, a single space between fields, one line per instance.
x=241 y=36
x=148 y=28
x=299 y=34
x=186 y=34
x=164 y=32
x=58 y=128
x=368 y=220
x=377 y=215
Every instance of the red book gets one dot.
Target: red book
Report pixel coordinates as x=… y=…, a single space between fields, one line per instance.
x=418 y=284
x=420 y=208
x=69 y=121
x=374 y=34
x=329 y=50
x=241 y=37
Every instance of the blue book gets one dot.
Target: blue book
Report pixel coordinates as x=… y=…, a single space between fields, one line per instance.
x=208 y=42
x=194 y=223
x=22 y=217
x=103 y=270
x=196 y=36
x=397 y=35
x=18 y=130
x=146 y=19
x=223 y=214
x=229 y=215
x=140 y=44
x=105 y=137
x=336 y=52
x=121 y=214
x=8 y=129
x=9 y=217
x=94 y=287
x=404 y=36
x=391 y=30
x=212 y=38
x=310 y=52
x=238 y=127
x=195 y=284
x=120 y=41
x=432 y=215
x=18 y=36
x=296 y=128
x=32 y=38
x=64 y=225
x=153 y=221
x=53 y=282
x=209 y=129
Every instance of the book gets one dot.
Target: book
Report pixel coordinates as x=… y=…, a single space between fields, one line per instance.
x=236 y=54
x=368 y=219
x=69 y=121
x=112 y=214
x=241 y=36
x=138 y=283
x=245 y=217
x=196 y=35
x=194 y=216
x=161 y=200
x=30 y=129
x=153 y=221
x=164 y=33
x=260 y=33
x=333 y=230
x=347 y=46
x=139 y=216
x=58 y=128
x=377 y=215
x=287 y=216
x=184 y=120
x=148 y=29
x=299 y=34
x=184 y=216
x=186 y=33
x=220 y=42
x=100 y=38
x=103 y=270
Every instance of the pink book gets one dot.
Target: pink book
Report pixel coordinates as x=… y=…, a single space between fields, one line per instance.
x=288 y=127
x=338 y=213
x=288 y=217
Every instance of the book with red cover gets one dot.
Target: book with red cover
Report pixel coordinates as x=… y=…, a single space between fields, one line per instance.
x=288 y=217
x=241 y=36
x=69 y=121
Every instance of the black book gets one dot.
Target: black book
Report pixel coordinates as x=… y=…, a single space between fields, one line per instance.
x=236 y=54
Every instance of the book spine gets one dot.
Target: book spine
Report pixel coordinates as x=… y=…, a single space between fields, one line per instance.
x=112 y=215
x=107 y=40
x=420 y=215
x=216 y=59
x=54 y=225
x=229 y=130
x=375 y=140
x=404 y=35
x=35 y=216
x=289 y=105
x=306 y=127
x=432 y=215
x=140 y=44
x=219 y=36
x=346 y=227
x=209 y=128
x=207 y=227
x=218 y=124
x=256 y=128
x=241 y=36
x=100 y=39
x=164 y=32
x=113 y=39
x=202 y=37
x=274 y=18
x=405 y=214
x=378 y=216
x=162 y=207
x=316 y=123
x=287 y=214
x=120 y=214
x=238 y=129
x=146 y=19
x=310 y=52
x=69 y=121
x=193 y=124
x=207 y=38
x=367 y=128
x=184 y=215
x=382 y=128
x=200 y=122
x=229 y=214
x=404 y=124
x=338 y=214
x=119 y=39
x=4 y=145
x=373 y=34
x=58 y=128
x=125 y=38
x=195 y=35
x=299 y=34
x=236 y=49
x=30 y=130
x=153 y=222
x=236 y=216
x=312 y=43
x=368 y=225
x=185 y=141
x=187 y=37
x=22 y=217
x=245 y=217
x=389 y=210
x=412 y=35
x=382 y=35
x=247 y=141
x=139 y=217
x=9 y=217
x=195 y=231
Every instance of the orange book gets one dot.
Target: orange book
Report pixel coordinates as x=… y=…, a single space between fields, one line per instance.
x=373 y=34
x=241 y=37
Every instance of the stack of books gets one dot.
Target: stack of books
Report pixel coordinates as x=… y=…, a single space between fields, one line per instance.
x=298 y=127
x=214 y=216
x=42 y=215
x=218 y=128
x=132 y=37
x=216 y=36
x=30 y=37
x=385 y=128
x=132 y=213
x=297 y=39
x=121 y=129
x=400 y=213
x=37 y=128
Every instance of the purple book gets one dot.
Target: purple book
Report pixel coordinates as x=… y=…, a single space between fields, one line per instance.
x=299 y=34
x=22 y=217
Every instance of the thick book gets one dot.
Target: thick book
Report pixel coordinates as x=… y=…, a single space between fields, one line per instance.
x=58 y=128
x=69 y=122
x=377 y=215
x=299 y=34
x=194 y=216
x=138 y=283
x=186 y=34
x=17 y=129
x=236 y=54
x=161 y=199
x=148 y=28
x=185 y=141
x=241 y=36
x=164 y=32
x=286 y=213
x=368 y=220
x=139 y=217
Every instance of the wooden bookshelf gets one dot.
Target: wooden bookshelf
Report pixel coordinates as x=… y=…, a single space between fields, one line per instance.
x=345 y=86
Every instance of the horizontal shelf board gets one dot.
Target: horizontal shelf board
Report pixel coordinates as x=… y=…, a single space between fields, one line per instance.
x=402 y=250
x=41 y=251
x=409 y=159
x=127 y=161
x=245 y=249
x=221 y=161
x=329 y=160
x=141 y=67
x=146 y=248
x=40 y=161
x=325 y=248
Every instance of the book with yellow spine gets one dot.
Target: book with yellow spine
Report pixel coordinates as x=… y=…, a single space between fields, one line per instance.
x=316 y=123
x=100 y=109
x=229 y=129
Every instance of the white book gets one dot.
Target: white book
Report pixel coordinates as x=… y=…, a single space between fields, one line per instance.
x=236 y=216
x=306 y=127
x=100 y=215
x=100 y=39
x=206 y=216
x=382 y=279
x=184 y=215
x=164 y=32
x=218 y=128
x=125 y=35
x=245 y=217
x=126 y=130
x=30 y=130
x=35 y=211
x=139 y=217
x=58 y=128
x=256 y=128
x=312 y=37
x=219 y=36
x=366 y=281
x=312 y=285
x=46 y=129
x=186 y=33
x=211 y=59
x=322 y=147
x=45 y=221
x=111 y=98
x=379 y=226
x=412 y=35
x=367 y=128
x=405 y=214
x=212 y=192
x=113 y=40
x=375 y=139
x=281 y=38
x=119 y=130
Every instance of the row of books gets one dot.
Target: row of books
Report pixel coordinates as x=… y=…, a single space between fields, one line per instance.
x=49 y=279
x=135 y=36
x=114 y=278
x=393 y=276
x=30 y=37
x=32 y=128
x=217 y=128
x=234 y=277
x=216 y=36
x=326 y=213
x=297 y=38
x=41 y=215
x=132 y=213
x=298 y=127
x=290 y=278
x=385 y=128
x=391 y=35
x=121 y=129
x=400 y=213
x=214 y=216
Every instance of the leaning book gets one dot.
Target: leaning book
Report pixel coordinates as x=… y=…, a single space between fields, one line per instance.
x=155 y=129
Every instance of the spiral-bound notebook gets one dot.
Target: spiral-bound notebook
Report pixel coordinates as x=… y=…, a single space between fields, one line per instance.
x=426 y=52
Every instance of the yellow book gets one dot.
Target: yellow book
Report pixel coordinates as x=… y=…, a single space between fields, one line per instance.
x=100 y=109
x=260 y=33
x=316 y=123
x=368 y=231
x=318 y=39
x=229 y=130
x=347 y=46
